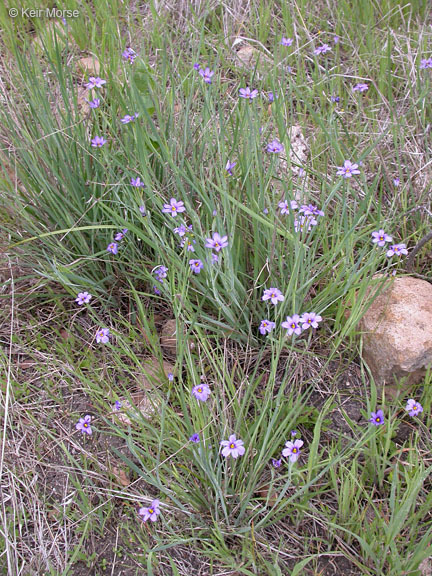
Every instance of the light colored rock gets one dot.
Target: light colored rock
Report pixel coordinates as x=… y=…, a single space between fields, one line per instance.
x=299 y=149
x=168 y=338
x=153 y=373
x=89 y=65
x=82 y=100
x=144 y=402
x=397 y=339
x=249 y=57
x=46 y=34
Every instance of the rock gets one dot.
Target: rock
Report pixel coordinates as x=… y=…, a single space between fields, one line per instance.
x=168 y=338
x=141 y=403
x=144 y=402
x=299 y=149
x=249 y=57
x=154 y=373
x=46 y=34
x=82 y=100
x=89 y=65
x=397 y=340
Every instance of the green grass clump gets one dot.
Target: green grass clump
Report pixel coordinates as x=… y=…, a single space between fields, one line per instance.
x=359 y=494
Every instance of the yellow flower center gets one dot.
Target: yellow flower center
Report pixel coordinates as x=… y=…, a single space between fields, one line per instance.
x=200 y=390
x=293 y=325
x=378 y=419
x=294 y=450
x=232 y=446
x=151 y=511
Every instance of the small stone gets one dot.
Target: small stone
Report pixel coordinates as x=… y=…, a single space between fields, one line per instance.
x=89 y=65
x=250 y=58
x=168 y=338
x=153 y=372
x=141 y=404
x=397 y=332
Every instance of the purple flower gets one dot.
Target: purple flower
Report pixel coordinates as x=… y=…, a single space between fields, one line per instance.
x=413 y=408
x=361 y=87
x=120 y=235
x=380 y=238
x=94 y=83
x=266 y=326
x=195 y=438
x=311 y=210
x=189 y=244
x=84 y=424
x=217 y=242
x=276 y=463
x=396 y=182
x=201 y=392
x=196 y=66
x=170 y=377
x=398 y=250
x=206 y=75
x=348 y=169
x=286 y=207
x=286 y=41
x=215 y=258
x=335 y=99
x=129 y=55
x=112 y=247
x=426 y=63
x=181 y=230
x=293 y=433
x=229 y=166
x=156 y=291
x=292 y=450
x=160 y=272
x=304 y=223
x=336 y=39
x=265 y=211
x=322 y=49
x=272 y=96
x=95 y=103
x=174 y=207
x=128 y=118
x=275 y=147
x=117 y=406
x=136 y=182
x=377 y=418
x=83 y=298
x=196 y=266
x=248 y=93
x=308 y=320
x=151 y=513
x=274 y=295
x=292 y=325
x=232 y=447
x=98 y=142
x=103 y=335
